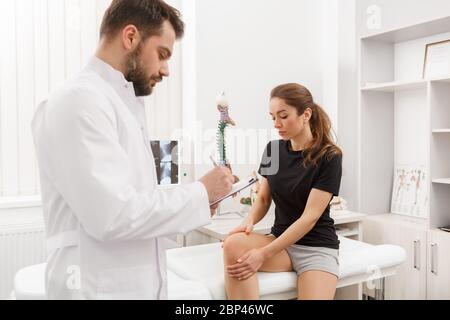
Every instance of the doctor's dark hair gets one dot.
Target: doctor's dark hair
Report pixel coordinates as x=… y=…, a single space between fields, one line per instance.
x=299 y=97
x=147 y=16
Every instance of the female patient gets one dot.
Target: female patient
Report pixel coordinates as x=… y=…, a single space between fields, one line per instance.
x=301 y=173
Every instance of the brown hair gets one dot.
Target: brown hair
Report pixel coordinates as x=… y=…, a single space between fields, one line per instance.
x=147 y=16
x=300 y=98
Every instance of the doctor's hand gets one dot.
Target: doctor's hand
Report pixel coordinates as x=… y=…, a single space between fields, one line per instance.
x=213 y=209
x=247 y=265
x=236 y=178
x=218 y=183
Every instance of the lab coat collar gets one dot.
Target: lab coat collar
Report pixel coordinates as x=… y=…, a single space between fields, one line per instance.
x=108 y=73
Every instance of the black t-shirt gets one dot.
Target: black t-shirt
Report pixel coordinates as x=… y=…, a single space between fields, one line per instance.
x=290 y=185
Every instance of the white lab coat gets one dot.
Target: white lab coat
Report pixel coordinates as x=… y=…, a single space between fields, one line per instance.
x=106 y=221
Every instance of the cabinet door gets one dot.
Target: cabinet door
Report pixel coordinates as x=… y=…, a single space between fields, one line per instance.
x=438 y=276
x=409 y=283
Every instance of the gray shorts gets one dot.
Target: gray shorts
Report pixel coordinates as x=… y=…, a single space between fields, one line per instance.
x=306 y=258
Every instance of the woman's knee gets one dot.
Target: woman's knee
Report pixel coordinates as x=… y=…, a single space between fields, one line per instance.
x=235 y=245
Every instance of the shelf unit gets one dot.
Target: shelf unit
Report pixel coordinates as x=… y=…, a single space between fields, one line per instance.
x=440 y=152
x=403 y=118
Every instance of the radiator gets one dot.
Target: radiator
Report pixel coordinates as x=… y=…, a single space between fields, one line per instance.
x=22 y=243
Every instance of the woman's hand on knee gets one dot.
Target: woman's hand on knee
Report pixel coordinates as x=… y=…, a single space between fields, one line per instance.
x=247 y=265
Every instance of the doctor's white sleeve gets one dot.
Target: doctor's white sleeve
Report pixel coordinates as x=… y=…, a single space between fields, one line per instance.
x=92 y=171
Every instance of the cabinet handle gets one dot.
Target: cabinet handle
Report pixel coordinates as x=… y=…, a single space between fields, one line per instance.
x=417 y=254
x=434 y=258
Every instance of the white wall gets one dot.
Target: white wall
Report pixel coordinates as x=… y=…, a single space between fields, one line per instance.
x=246 y=48
x=347 y=100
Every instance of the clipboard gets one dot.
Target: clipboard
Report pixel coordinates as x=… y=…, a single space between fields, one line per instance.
x=238 y=186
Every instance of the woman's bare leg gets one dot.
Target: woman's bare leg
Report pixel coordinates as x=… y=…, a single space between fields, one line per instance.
x=316 y=285
x=237 y=245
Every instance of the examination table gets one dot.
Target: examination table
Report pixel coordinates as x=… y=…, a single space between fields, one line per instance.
x=196 y=273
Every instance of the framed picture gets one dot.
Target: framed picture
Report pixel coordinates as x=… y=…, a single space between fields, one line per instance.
x=410 y=191
x=437 y=60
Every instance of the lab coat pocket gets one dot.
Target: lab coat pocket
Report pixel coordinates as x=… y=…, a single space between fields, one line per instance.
x=132 y=283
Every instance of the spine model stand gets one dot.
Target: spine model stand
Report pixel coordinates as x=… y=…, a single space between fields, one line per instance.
x=224 y=122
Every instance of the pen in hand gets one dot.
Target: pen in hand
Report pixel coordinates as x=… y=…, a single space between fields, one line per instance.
x=214 y=162
x=236 y=179
x=216 y=205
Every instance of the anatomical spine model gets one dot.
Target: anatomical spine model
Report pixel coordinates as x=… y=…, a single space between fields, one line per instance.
x=224 y=121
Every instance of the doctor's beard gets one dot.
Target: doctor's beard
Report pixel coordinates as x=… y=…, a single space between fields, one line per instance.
x=137 y=75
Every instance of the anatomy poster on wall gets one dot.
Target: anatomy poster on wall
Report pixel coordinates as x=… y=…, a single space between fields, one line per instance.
x=410 y=191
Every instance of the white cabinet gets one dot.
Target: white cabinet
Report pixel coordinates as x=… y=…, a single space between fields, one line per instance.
x=409 y=283
x=438 y=275
x=404 y=120
x=426 y=271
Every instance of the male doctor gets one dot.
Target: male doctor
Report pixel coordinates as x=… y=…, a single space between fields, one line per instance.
x=106 y=222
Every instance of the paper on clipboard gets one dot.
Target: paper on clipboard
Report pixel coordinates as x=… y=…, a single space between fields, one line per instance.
x=239 y=186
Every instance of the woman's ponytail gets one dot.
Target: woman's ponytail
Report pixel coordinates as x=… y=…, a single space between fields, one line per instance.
x=323 y=141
